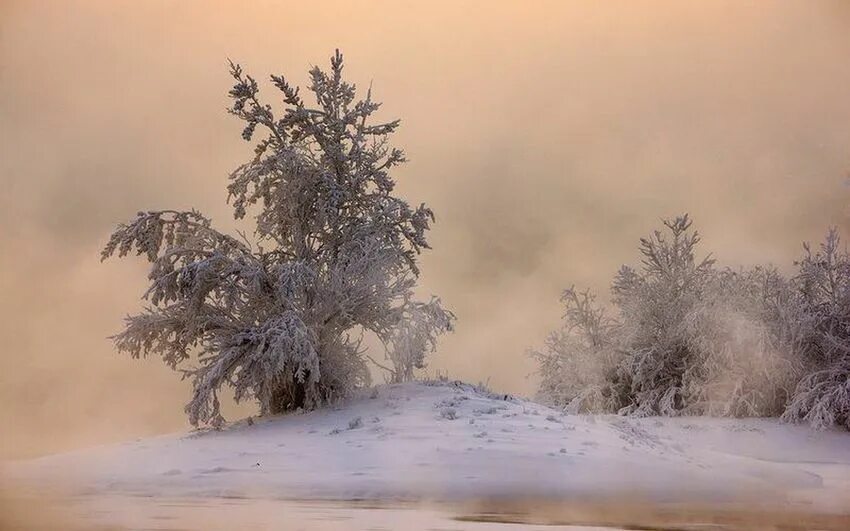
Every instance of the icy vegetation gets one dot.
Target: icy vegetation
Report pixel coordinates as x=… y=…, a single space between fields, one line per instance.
x=686 y=337
x=334 y=256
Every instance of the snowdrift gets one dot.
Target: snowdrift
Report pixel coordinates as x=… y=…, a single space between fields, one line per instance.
x=449 y=441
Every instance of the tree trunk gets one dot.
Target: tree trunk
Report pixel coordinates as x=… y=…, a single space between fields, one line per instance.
x=289 y=396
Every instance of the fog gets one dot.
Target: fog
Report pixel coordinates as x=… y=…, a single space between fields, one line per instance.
x=546 y=136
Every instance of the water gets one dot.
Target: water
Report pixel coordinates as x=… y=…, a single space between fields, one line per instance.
x=123 y=512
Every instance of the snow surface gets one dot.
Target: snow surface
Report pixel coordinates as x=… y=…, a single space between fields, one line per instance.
x=451 y=441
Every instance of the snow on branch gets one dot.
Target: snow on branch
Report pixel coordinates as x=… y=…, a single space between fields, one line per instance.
x=684 y=337
x=334 y=251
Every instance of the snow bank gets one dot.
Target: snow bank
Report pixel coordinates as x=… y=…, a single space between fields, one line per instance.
x=449 y=441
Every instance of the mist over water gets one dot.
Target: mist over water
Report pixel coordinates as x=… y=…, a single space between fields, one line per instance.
x=547 y=138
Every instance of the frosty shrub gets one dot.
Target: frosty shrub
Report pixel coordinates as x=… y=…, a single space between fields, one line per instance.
x=656 y=304
x=822 y=397
x=334 y=255
x=743 y=367
x=684 y=337
x=578 y=361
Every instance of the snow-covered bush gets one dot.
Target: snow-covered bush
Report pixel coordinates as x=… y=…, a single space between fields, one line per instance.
x=742 y=365
x=579 y=360
x=655 y=305
x=334 y=255
x=822 y=397
x=414 y=335
x=684 y=337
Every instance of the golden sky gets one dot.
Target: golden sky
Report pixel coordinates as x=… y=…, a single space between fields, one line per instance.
x=546 y=136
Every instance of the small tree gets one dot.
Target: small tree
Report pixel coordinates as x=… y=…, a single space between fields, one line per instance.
x=334 y=255
x=822 y=397
x=655 y=303
x=578 y=361
x=684 y=338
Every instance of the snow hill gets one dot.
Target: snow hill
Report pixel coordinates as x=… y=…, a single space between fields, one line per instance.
x=449 y=440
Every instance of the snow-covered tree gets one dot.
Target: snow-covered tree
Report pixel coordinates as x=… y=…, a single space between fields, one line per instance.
x=684 y=338
x=822 y=397
x=654 y=304
x=334 y=255
x=578 y=361
x=743 y=366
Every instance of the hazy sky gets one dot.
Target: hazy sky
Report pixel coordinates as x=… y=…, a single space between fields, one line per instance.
x=546 y=136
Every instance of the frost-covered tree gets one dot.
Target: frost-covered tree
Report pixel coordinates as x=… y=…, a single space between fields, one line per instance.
x=684 y=338
x=743 y=365
x=578 y=361
x=334 y=255
x=655 y=303
x=822 y=397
